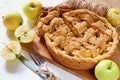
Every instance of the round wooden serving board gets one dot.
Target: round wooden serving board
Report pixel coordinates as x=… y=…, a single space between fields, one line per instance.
x=84 y=74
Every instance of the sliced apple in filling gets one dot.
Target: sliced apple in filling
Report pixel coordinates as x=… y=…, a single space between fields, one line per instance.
x=25 y=34
x=11 y=51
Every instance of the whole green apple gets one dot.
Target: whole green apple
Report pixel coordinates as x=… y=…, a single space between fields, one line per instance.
x=32 y=9
x=113 y=16
x=107 y=70
x=12 y=20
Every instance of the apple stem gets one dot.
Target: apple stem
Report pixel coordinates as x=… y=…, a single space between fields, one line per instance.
x=109 y=67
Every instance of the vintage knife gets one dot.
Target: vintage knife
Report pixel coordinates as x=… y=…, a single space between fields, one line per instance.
x=32 y=66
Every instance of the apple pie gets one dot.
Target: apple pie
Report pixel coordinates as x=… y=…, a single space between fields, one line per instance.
x=79 y=39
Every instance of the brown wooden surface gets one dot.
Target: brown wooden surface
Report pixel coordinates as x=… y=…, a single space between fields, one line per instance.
x=110 y=3
x=85 y=74
x=88 y=74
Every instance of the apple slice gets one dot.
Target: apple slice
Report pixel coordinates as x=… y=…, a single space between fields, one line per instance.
x=11 y=51
x=25 y=34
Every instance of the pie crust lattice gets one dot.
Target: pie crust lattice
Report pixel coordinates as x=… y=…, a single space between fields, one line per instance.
x=79 y=39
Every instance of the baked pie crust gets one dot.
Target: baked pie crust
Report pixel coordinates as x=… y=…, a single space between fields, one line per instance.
x=79 y=39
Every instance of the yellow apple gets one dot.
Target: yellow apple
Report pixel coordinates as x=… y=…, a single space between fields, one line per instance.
x=12 y=20
x=113 y=16
x=32 y=9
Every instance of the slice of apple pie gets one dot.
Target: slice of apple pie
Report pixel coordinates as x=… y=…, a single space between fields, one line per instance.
x=79 y=39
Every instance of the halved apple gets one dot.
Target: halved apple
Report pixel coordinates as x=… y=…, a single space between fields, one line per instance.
x=25 y=34
x=11 y=51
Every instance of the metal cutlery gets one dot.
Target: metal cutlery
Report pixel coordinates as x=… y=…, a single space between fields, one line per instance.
x=38 y=64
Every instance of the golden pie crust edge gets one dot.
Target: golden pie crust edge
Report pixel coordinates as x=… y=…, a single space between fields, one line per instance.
x=82 y=63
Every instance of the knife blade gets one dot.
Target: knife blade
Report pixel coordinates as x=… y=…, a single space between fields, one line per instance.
x=32 y=66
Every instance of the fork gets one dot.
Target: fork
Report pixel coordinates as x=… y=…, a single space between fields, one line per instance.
x=33 y=50
x=43 y=71
x=37 y=58
x=39 y=61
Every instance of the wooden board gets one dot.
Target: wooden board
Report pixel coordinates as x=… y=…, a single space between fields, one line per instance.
x=84 y=74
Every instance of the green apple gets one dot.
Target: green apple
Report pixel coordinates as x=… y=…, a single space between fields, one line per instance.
x=25 y=34
x=12 y=20
x=107 y=70
x=11 y=51
x=32 y=9
x=113 y=16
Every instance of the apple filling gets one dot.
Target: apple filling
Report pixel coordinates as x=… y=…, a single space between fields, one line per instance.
x=80 y=37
